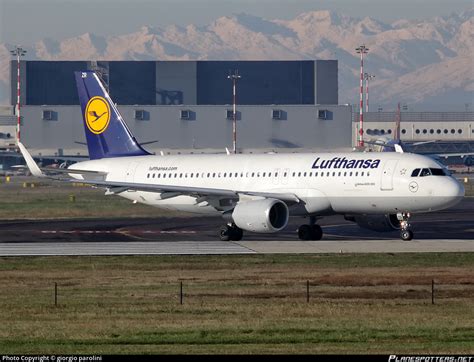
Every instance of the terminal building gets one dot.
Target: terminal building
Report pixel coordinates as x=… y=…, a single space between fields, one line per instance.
x=186 y=106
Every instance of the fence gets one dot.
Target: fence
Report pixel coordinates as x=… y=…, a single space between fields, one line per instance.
x=186 y=292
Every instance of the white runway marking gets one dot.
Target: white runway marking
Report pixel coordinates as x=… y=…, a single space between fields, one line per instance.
x=122 y=248
x=242 y=247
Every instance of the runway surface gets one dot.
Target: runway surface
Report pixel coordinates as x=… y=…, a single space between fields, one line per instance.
x=446 y=231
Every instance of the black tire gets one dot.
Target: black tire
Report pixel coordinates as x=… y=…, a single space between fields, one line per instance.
x=225 y=233
x=305 y=232
x=236 y=234
x=316 y=232
x=406 y=235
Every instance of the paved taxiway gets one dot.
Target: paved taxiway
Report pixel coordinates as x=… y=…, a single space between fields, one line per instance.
x=446 y=231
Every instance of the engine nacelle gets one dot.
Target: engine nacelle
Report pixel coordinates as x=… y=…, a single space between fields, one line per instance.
x=379 y=223
x=261 y=216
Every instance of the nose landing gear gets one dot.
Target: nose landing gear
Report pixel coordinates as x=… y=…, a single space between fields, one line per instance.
x=405 y=234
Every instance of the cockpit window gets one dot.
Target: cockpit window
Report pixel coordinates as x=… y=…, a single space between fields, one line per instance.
x=425 y=172
x=415 y=172
x=437 y=172
x=428 y=172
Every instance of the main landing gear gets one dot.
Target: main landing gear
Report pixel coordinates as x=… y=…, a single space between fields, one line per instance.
x=310 y=232
x=231 y=232
x=405 y=234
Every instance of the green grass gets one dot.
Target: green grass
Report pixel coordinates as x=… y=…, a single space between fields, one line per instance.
x=24 y=198
x=375 y=303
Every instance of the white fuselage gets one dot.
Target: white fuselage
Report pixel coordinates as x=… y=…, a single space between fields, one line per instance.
x=328 y=183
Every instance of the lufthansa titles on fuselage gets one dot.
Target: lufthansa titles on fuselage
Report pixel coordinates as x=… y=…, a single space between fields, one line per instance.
x=338 y=162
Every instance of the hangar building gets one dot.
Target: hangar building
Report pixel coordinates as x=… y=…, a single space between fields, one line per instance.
x=188 y=104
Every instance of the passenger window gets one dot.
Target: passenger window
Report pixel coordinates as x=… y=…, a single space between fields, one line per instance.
x=425 y=172
x=415 y=172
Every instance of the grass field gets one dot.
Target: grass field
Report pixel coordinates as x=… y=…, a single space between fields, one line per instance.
x=377 y=303
x=26 y=197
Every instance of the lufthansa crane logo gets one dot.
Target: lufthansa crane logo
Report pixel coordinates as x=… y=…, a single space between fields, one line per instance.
x=97 y=115
x=413 y=186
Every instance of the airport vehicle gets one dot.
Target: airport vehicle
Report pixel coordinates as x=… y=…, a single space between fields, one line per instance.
x=255 y=192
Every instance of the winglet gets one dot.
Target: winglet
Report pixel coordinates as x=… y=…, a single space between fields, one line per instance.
x=32 y=166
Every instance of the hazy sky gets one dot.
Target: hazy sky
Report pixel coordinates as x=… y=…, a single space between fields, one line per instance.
x=26 y=21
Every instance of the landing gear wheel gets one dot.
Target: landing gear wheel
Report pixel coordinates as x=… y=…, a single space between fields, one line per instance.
x=230 y=232
x=316 y=232
x=310 y=232
x=304 y=232
x=406 y=235
x=237 y=234
x=225 y=233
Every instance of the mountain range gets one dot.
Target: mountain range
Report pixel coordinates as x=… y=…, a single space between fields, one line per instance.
x=426 y=64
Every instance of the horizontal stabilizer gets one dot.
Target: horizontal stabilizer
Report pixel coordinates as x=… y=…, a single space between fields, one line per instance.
x=32 y=165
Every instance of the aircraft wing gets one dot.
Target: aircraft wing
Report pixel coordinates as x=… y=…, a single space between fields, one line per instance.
x=118 y=187
x=446 y=155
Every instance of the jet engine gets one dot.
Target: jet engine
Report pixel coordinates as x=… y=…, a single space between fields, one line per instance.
x=379 y=223
x=261 y=216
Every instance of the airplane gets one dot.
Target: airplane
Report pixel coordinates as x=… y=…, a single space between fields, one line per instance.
x=255 y=192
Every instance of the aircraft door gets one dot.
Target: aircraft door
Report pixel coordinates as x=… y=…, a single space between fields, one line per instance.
x=386 y=183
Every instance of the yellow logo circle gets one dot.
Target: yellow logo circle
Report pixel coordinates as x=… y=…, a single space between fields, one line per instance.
x=97 y=115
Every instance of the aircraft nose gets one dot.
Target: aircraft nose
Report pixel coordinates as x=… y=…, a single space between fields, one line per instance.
x=455 y=191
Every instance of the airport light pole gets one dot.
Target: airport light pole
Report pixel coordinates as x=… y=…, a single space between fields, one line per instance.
x=362 y=49
x=18 y=52
x=367 y=78
x=234 y=77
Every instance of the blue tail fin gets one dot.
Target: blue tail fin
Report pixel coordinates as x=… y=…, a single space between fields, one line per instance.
x=107 y=134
